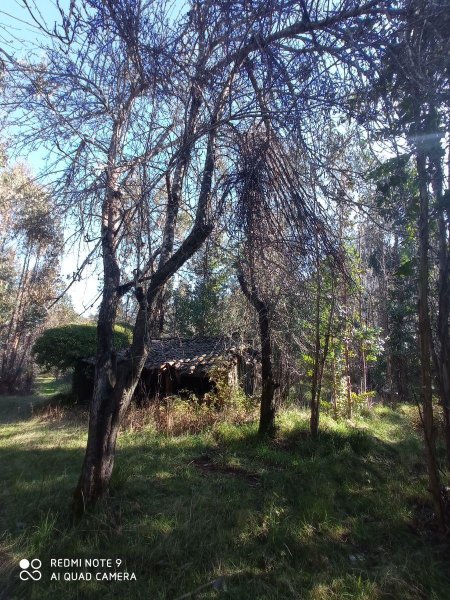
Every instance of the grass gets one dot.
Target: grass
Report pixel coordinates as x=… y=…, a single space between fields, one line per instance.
x=342 y=517
x=15 y=408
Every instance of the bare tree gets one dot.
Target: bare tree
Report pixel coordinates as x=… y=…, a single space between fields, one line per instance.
x=138 y=107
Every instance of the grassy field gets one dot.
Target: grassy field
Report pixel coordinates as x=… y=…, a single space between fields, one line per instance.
x=344 y=517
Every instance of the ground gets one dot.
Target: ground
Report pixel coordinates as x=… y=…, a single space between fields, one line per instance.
x=343 y=517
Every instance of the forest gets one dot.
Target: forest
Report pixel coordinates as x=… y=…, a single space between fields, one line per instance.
x=225 y=298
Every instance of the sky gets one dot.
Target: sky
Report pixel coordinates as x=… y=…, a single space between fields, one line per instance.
x=17 y=31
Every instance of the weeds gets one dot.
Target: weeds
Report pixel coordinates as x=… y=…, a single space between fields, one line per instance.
x=338 y=517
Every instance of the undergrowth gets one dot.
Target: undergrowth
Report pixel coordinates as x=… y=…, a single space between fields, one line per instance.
x=204 y=504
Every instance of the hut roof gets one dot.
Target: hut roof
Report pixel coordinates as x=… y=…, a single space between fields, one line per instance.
x=192 y=356
x=196 y=355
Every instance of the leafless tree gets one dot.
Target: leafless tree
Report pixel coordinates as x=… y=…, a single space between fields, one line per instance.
x=137 y=107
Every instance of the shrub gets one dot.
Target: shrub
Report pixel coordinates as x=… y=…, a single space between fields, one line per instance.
x=225 y=394
x=61 y=347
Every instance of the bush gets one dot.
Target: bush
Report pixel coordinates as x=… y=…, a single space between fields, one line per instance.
x=61 y=347
x=225 y=395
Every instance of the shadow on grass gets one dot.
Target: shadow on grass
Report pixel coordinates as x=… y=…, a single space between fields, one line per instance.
x=317 y=518
x=48 y=391
x=18 y=408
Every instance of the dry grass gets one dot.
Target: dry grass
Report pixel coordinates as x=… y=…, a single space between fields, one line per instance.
x=172 y=416
x=175 y=416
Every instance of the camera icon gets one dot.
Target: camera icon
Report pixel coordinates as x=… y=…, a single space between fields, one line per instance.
x=34 y=573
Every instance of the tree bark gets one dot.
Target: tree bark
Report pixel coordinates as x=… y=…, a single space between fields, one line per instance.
x=111 y=401
x=441 y=357
x=267 y=406
x=425 y=346
x=348 y=381
x=267 y=412
x=95 y=471
x=115 y=383
x=315 y=393
x=319 y=366
x=334 y=390
x=174 y=193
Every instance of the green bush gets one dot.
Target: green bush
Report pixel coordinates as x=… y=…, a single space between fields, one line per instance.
x=61 y=347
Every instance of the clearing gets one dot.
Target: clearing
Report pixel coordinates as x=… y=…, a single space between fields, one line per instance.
x=222 y=512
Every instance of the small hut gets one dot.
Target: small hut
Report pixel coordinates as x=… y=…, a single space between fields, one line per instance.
x=182 y=365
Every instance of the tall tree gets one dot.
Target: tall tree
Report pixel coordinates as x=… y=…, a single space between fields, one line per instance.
x=414 y=86
x=139 y=107
x=30 y=246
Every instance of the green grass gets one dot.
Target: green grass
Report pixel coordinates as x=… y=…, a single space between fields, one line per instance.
x=342 y=517
x=15 y=408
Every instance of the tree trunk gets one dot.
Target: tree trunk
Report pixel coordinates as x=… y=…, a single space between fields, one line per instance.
x=267 y=408
x=364 y=372
x=8 y=371
x=315 y=396
x=320 y=359
x=95 y=472
x=114 y=384
x=425 y=346
x=174 y=194
x=267 y=412
x=107 y=411
x=334 y=390
x=348 y=381
x=441 y=357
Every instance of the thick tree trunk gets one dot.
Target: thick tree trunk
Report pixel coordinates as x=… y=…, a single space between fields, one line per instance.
x=95 y=470
x=107 y=410
x=114 y=384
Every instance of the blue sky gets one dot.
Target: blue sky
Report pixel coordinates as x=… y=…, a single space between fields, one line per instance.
x=17 y=33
